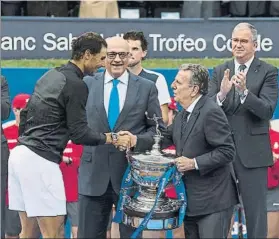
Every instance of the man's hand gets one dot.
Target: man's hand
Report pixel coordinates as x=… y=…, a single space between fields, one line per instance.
x=108 y=138
x=67 y=160
x=226 y=85
x=132 y=137
x=275 y=157
x=239 y=81
x=184 y=164
x=123 y=142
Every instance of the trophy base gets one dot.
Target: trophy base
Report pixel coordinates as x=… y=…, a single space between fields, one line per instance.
x=164 y=221
x=164 y=217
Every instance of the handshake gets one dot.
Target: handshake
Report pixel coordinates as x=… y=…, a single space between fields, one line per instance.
x=123 y=140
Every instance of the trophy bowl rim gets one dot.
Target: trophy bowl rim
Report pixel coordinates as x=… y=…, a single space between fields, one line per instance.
x=164 y=158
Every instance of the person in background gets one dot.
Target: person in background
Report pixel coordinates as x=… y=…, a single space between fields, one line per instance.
x=246 y=88
x=11 y=8
x=69 y=168
x=11 y=127
x=98 y=9
x=5 y=113
x=138 y=49
x=273 y=184
x=173 y=110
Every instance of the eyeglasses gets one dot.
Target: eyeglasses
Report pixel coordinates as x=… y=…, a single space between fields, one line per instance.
x=122 y=55
x=241 y=41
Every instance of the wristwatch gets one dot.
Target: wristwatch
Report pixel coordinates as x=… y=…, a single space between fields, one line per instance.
x=114 y=136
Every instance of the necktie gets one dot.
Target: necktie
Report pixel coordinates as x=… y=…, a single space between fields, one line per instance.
x=241 y=68
x=185 y=115
x=113 y=109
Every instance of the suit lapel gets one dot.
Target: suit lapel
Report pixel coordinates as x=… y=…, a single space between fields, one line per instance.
x=231 y=67
x=192 y=120
x=99 y=100
x=178 y=133
x=251 y=76
x=232 y=92
x=189 y=126
x=131 y=96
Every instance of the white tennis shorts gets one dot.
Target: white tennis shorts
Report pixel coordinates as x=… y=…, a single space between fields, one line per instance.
x=35 y=185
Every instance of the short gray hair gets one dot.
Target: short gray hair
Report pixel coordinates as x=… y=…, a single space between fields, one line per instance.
x=200 y=76
x=246 y=25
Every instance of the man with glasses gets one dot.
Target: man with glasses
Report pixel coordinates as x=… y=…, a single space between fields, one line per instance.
x=247 y=90
x=118 y=102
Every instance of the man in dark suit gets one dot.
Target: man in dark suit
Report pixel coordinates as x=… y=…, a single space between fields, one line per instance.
x=205 y=150
x=5 y=112
x=118 y=100
x=247 y=90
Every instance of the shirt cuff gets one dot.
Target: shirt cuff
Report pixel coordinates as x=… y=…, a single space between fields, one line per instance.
x=103 y=139
x=220 y=103
x=196 y=165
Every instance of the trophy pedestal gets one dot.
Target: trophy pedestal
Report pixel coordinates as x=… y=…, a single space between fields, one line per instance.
x=164 y=217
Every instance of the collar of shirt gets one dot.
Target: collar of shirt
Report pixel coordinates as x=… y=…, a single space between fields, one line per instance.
x=192 y=106
x=124 y=78
x=247 y=64
x=76 y=69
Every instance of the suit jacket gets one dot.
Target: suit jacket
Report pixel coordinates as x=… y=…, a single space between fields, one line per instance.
x=5 y=105
x=250 y=121
x=105 y=163
x=208 y=139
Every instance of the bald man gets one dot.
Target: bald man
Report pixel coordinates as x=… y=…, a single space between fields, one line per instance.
x=117 y=101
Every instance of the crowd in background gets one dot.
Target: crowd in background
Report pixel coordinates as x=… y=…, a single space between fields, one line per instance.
x=141 y=9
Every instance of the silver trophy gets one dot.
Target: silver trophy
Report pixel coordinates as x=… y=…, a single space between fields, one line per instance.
x=146 y=171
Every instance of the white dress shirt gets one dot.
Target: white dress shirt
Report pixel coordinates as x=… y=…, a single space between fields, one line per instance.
x=122 y=89
x=236 y=71
x=162 y=87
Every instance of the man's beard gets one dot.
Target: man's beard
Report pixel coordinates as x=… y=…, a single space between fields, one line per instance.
x=90 y=72
x=134 y=64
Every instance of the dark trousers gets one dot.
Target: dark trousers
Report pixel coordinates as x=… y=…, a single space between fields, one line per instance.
x=94 y=214
x=215 y=225
x=252 y=184
x=4 y=176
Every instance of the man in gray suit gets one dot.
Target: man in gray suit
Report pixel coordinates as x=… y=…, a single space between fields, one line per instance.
x=5 y=112
x=205 y=150
x=103 y=167
x=247 y=90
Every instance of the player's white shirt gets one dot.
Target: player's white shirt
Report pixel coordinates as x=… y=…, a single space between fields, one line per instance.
x=161 y=84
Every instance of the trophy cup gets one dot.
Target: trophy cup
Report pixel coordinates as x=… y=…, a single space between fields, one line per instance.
x=147 y=171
